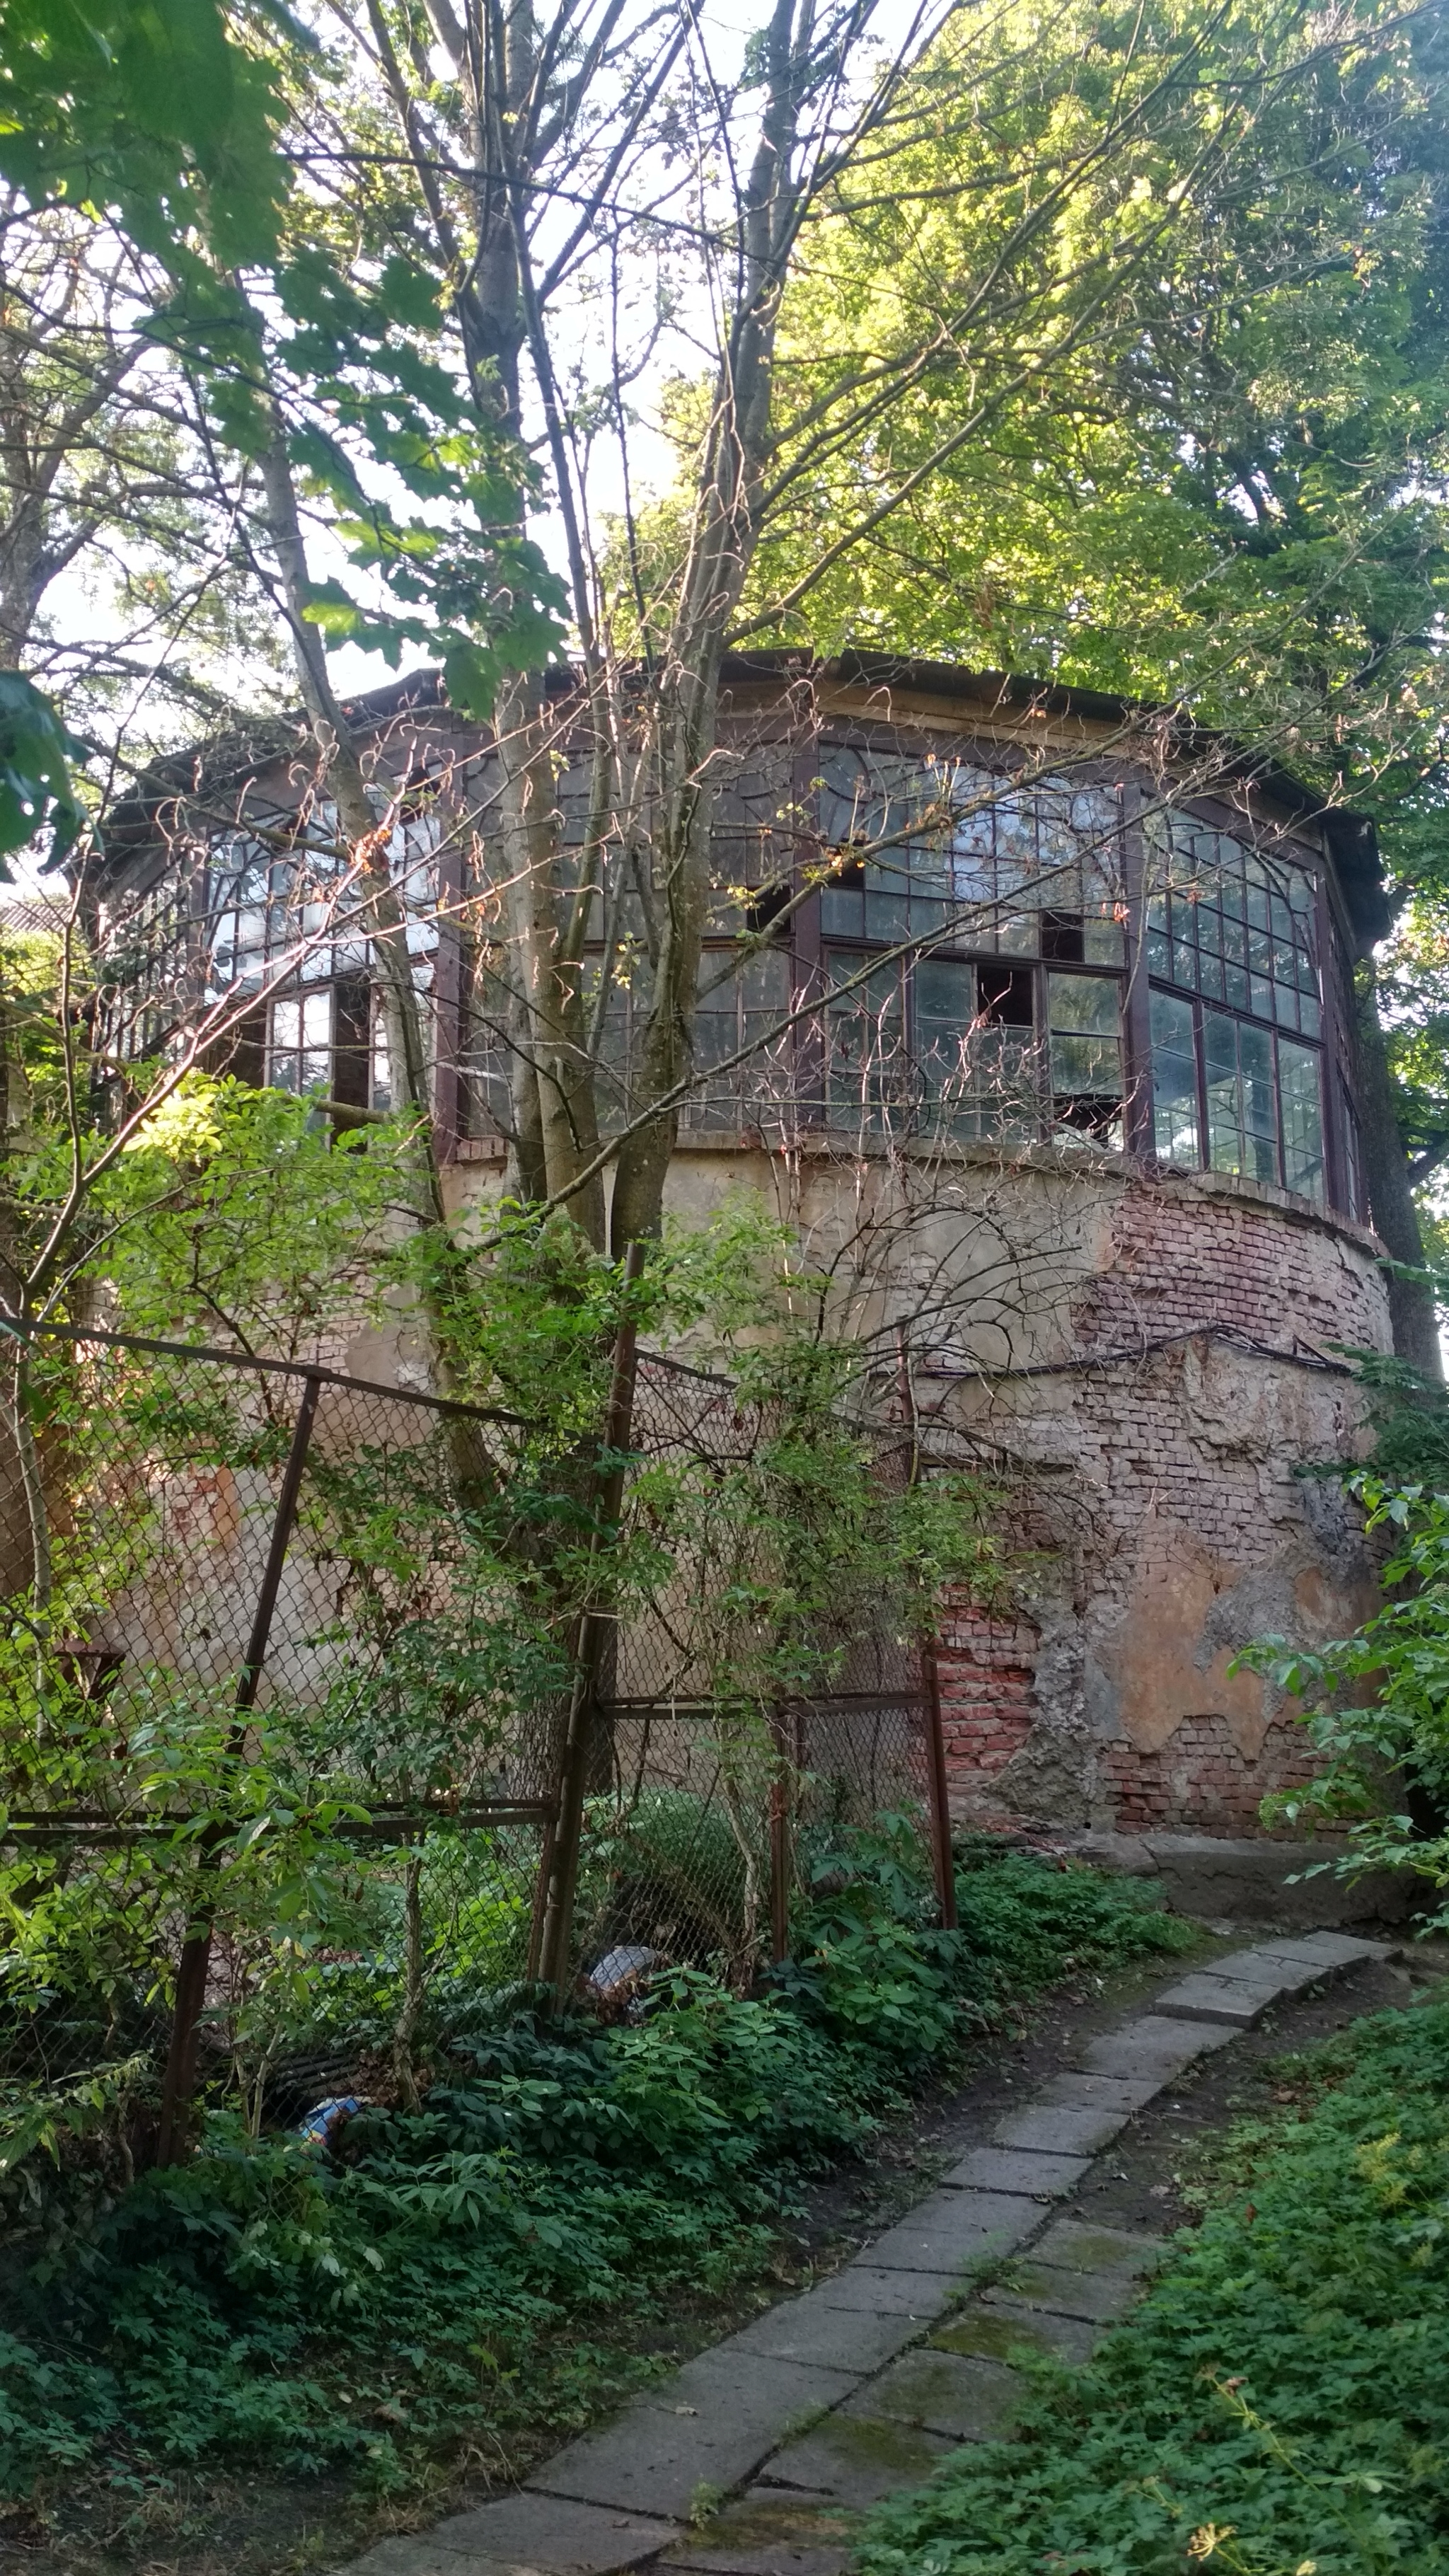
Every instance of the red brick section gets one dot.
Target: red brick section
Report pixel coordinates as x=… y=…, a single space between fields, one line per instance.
x=987 y=1705
x=1182 y=1258
x=1187 y=1448
x=1200 y=1782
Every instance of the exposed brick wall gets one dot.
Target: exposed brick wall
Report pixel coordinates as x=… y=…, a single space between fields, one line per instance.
x=1183 y=1257
x=1143 y=1362
x=1201 y=1782
x=988 y=1707
x=1179 y=1524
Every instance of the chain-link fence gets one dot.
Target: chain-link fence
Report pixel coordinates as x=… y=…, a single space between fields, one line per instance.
x=334 y=1714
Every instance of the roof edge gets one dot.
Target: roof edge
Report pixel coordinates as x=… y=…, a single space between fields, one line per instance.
x=1351 y=836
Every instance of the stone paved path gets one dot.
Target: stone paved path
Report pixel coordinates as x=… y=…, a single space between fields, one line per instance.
x=836 y=2398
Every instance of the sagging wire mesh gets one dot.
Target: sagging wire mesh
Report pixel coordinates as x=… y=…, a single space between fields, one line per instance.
x=352 y=1804
x=342 y=1818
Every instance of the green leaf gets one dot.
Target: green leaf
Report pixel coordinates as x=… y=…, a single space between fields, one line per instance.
x=36 y=750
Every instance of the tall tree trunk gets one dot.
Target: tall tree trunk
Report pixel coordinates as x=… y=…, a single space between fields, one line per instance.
x=1391 y=1199
x=723 y=540
x=387 y=920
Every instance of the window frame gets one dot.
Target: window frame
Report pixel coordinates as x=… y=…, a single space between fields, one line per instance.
x=1244 y=1019
x=813 y=945
x=1208 y=815
x=813 y=948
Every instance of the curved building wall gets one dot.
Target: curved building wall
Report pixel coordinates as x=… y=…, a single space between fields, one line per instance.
x=1033 y=1013
x=1145 y=1363
x=1162 y=1469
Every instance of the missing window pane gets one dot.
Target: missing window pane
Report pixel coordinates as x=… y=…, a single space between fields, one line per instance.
x=1006 y=997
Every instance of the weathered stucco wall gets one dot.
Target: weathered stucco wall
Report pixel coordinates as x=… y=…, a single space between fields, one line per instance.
x=1147 y=1364
x=1163 y=1471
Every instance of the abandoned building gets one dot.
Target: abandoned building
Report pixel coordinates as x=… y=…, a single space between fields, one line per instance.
x=1042 y=1016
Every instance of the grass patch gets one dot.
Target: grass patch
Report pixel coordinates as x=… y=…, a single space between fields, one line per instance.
x=1279 y=2403
x=449 y=2277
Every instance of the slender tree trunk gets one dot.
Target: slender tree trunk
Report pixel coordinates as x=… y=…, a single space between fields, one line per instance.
x=724 y=537
x=407 y=1041
x=559 y=1070
x=1391 y=1198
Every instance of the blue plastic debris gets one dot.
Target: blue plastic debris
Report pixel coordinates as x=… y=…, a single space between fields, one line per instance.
x=323 y=2122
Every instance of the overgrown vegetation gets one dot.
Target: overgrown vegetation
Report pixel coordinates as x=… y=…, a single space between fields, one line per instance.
x=374 y=2303
x=1376 y=1704
x=1279 y=2403
x=453 y=1570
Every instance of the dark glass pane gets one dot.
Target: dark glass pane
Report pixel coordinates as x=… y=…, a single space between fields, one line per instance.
x=1083 y=1002
x=1174 y=1081
x=841 y=912
x=1299 y=1084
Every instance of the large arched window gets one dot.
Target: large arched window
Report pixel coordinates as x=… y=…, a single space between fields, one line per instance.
x=1236 y=1008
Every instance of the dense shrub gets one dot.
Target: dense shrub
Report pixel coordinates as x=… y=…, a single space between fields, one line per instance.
x=375 y=2302
x=1280 y=2401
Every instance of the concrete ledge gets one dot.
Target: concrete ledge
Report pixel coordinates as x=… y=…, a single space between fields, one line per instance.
x=1213 y=1875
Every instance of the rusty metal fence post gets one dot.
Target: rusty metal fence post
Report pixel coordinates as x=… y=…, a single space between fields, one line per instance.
x=937 y=1796
x=179 y=2081
x=592 y=1637
x=782 y=1856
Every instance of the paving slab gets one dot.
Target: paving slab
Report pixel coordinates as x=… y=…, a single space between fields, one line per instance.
x=954 y=2228
x=944 y=2392
x=416 y=2555
x=719 y=2378
x=1342 y=1949
x=1153 y=2045
x=800 y=2501
x=1226 y=1999
x=1083 y=2248
x=1105 y=2092
x=780 y=2559
x=815 y=2328
x=1331 y=1953
x=1097 y=2296
x=534 y=2531
x=1060 y=2129
x=1003 y=2330
x=855 y=2463
x=881 y=2293
x=1040 y=2176
x=708 y=2426
x=774 y=2533
x=1284 y=1968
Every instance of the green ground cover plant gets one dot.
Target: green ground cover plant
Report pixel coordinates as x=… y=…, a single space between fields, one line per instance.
x=1279 y=2403
x=452 y=2274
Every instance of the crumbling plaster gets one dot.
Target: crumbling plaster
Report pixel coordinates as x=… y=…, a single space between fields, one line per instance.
x=1147 y=1363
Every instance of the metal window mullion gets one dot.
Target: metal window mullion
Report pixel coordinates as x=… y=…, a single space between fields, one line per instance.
x=1138 y=1103
x=1336 y=1055
x=805 y=1065
x=1204 y=1130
